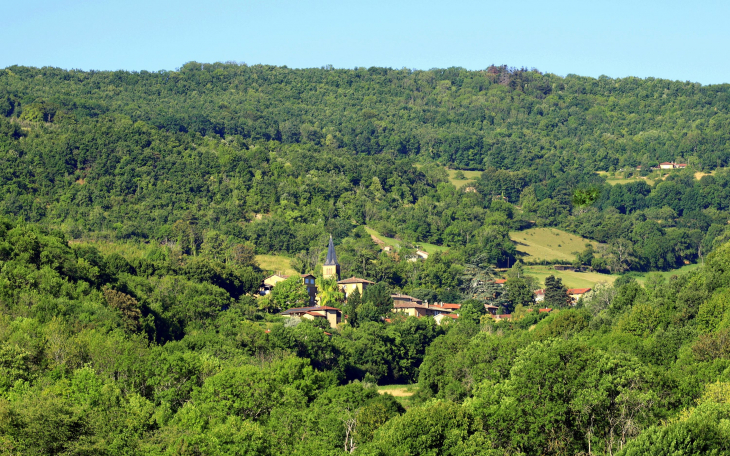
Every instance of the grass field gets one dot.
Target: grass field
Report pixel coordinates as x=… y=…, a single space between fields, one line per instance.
x=275 y=263
x=470 y=176
x=396 y=244
x=538 y=244
x=570 y=279
x=641 y=278
x=402 y=393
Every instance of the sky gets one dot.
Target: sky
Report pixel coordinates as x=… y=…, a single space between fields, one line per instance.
x=687 y=41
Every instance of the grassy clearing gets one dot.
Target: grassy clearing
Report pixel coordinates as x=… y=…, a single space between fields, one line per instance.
x=402 y=393
x=396 y=244
x=469 y=177
x=275 y=263
x=641 y=278
x=548 y=244
x=570 y=279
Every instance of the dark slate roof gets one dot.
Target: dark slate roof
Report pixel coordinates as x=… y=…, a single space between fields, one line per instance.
x=331 y=259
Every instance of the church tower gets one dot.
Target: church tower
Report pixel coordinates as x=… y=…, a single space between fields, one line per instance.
x=331 y=269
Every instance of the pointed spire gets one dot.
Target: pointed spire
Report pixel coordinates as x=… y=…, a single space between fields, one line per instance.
x=331 y=259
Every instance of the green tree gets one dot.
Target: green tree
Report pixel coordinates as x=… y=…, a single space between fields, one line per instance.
x=556 y=294
x=379 y=296
x=290 y=293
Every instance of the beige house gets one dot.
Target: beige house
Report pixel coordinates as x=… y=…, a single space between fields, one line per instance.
x=416 y=310
x=577 y=293
x=405 y=299
x=333 y=315
x=271 y=281
x=348 y=286
x=539 y=295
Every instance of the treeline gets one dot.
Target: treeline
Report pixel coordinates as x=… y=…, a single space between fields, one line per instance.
x=99 y=357
x=501 y=117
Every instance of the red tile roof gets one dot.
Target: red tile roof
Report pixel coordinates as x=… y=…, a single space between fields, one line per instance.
x=450 y=306
x=540 y=292
x=573 y=291
x=500 y=281
x=666 y=163
x=546 y=309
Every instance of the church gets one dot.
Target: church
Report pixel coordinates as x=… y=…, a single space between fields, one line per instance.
x=330 y=270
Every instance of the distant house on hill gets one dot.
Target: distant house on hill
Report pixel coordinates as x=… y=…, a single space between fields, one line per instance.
x=576 y=293
x=539 y=295
x=333 y=315
x=422 y=254
x=500 y=282
x=418 y=310
x=672 y=165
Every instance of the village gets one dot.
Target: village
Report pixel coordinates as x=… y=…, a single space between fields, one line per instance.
x=405 y=305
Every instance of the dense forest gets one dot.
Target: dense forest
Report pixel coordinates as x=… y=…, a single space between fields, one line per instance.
x=133 y=205
x=100 y=354
x=195 y=154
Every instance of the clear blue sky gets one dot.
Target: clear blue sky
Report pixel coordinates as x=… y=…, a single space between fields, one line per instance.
x=668 y=39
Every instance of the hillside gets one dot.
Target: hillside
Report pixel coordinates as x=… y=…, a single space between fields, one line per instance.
x=499 y=117
x=548 y=244
x=139 y=350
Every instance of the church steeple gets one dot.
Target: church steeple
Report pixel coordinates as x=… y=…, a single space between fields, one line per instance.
x=331 y=269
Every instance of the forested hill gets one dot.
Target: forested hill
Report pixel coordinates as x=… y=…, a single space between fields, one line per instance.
x=500 y=117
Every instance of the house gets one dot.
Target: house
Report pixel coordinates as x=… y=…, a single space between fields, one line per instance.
x=576 y=293
x=405 y=299
x=672 y=165
x=332 y=314
x=502 y=317
x=539 y=295
x=413 y=309
x=447 y=306
x=447 y=316
x=500 y=282
x=388 y=248
x=348 y=286
x=270 y=282
x=331 y=268
x=423 y=255
x=491 y=309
